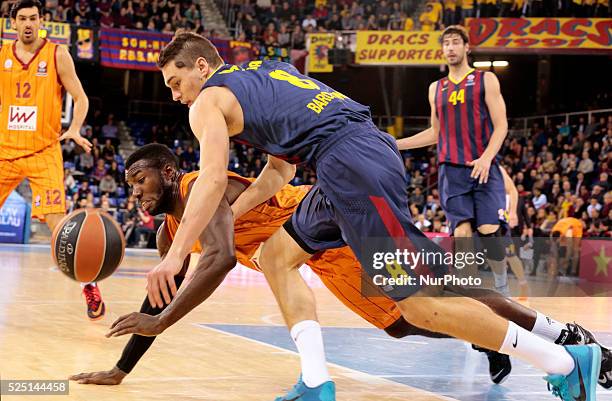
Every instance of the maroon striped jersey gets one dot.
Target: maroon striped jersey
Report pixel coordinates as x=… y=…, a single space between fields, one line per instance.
x=465 y=123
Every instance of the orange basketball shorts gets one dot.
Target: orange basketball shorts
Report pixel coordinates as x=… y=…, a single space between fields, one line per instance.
x=45 y=171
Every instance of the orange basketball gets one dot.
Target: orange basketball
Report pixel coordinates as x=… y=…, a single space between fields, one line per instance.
x=87 y=245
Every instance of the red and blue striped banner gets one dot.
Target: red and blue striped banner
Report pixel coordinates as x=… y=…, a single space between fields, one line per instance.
x=128 y=49
x=139 y=50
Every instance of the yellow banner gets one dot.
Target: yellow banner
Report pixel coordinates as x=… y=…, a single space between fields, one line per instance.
x=398 y=47
x=541 y=33
x=320 y=43
x=56 y=32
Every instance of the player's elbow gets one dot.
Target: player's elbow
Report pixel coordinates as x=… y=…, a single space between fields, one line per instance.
x=225 y=261
x=80 y=98
x=501 y=125
x=229 y=262
x=289 y=172
x=216 y=176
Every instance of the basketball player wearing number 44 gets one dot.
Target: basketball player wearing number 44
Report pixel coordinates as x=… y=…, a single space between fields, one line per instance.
x=34 y=72
x=360 y=194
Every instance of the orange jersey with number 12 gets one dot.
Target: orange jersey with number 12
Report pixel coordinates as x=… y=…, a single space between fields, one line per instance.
x=30 y=101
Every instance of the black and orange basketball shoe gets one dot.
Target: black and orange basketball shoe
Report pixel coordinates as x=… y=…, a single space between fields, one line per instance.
x=95 y=305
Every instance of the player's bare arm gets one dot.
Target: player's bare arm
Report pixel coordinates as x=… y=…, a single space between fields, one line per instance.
x=430 y=135
x=70 y=81
x=217 y=259
x=132 y=351
x=209 y=125
x=275 y=174
x=497 y=111
x=513 y=193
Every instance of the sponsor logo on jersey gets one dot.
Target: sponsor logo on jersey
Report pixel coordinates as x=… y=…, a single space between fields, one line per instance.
x=22 y=118
x=470 y=80
x=42 y=69
x=8 y=64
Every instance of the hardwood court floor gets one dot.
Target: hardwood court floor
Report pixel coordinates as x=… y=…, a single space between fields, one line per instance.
x=234 y=347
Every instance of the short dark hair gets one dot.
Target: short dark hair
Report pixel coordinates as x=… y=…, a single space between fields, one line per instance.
x=186 y=48
x=25 y=4
x=157 y=154
x=456 y=30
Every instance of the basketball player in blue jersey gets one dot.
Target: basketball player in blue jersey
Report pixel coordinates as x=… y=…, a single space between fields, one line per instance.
x=469 y=125
x=360 y=194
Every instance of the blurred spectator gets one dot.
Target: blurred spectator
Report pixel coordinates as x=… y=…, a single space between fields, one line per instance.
x=422 y=223
x=70 y=183
x=193 y=13
x=298 y=38
x=427 y=19
x=99 y=172
x=417 y=197
x=108 y=185
x=586 y=165
x=593 y=207
x=110 y=130
x=309 y=21
x=539 y=199
x=84 y=190
x=108 y=151
x=144 y=228
x=408 y=24
x=284 y=36
x=270 y=36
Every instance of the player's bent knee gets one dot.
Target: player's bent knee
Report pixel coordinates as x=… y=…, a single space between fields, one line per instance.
x=487 y=229
x=463 y=230
x=494 y=244
x=279 y=253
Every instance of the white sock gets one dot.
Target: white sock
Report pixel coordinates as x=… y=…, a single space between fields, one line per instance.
x=93 y=284
x=551 y=358
x=550 y=329
x=501 y=280
x=309 y=342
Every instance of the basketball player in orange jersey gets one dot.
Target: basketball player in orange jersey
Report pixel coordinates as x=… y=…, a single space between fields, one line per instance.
x=360 y=194
x=34 y=74
x=153 y=174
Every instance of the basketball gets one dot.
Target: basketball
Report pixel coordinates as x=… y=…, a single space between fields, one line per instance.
x=87 y=245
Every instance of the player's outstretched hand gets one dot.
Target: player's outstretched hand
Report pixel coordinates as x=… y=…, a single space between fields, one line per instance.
x=108 y=377
x=78 y=139
x=136 y=323
x=160 y=279
x=480 y=172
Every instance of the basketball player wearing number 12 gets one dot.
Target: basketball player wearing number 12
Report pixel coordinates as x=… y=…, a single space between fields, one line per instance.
x=34 y=73
x=360 y=195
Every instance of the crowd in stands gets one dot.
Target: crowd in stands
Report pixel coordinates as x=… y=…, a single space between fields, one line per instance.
x=285 y=23
x=152 y=15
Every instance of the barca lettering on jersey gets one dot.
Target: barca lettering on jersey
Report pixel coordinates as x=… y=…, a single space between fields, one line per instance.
x=318 y=102
x=287 y=114
x=465 y=123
